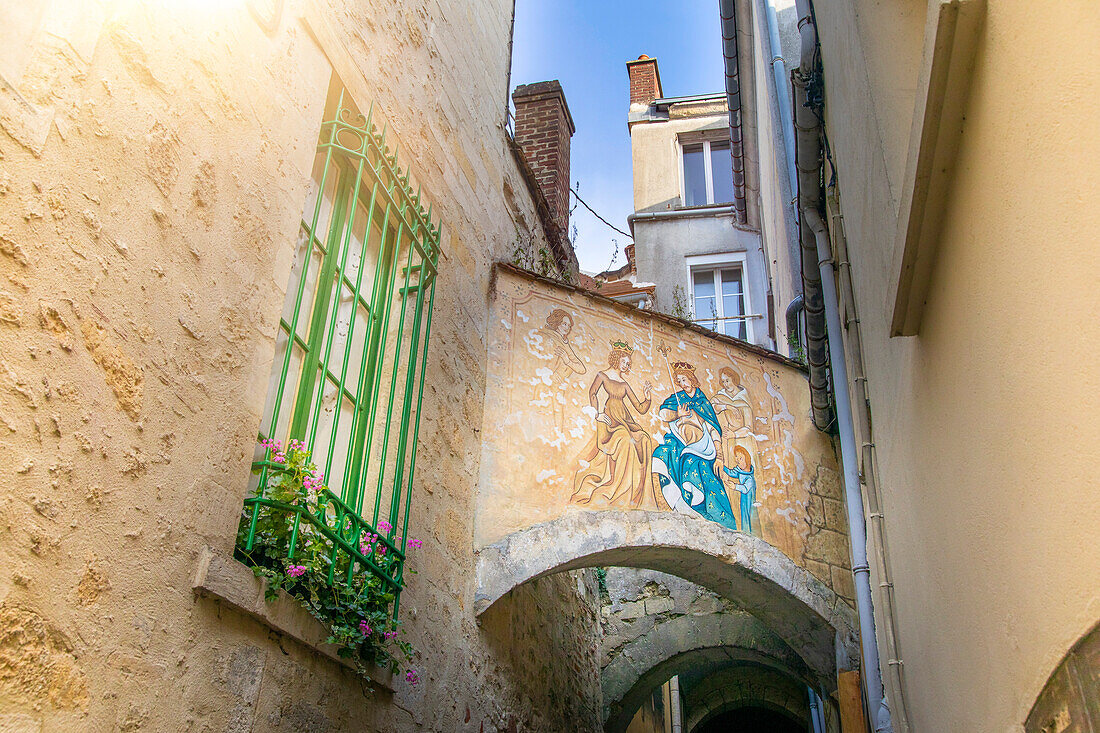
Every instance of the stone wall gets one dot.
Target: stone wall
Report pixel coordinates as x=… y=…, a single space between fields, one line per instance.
x=154 y=161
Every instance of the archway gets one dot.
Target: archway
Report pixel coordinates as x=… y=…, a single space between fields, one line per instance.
x=1070 y=699
x=808 y=616
x=686 y=642
x=743 y=687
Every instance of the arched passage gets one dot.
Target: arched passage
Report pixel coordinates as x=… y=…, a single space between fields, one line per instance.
x=619 y=713
x=745 y=686
x=738 y=631
x=808 y=616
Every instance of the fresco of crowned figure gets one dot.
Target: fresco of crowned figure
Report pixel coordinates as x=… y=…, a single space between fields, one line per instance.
x=687 y=463
x=745 y=486
x=553 y=381
x=616 y=461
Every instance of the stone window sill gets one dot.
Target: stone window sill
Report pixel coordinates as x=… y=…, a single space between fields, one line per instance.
x=231 y=583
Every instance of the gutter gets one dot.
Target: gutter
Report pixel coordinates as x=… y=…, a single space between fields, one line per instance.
x=733 y=102
x=694 y=213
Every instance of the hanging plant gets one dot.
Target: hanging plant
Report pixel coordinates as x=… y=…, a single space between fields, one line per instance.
x=300 y=544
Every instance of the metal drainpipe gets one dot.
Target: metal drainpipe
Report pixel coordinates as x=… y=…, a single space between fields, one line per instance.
x=779 y=71
x=870 y=475
x=794 y=335
x=815 y=711
x=857 y=528
x=808 y=163
x=733 y=102
x=675 y=703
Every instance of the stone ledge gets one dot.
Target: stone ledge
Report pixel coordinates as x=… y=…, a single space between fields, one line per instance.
x=232 y=583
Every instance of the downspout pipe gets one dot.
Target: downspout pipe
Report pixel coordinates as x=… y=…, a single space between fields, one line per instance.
x=875 y=516
x=808 y=166
x=794 y=335
x=733 y=102
x=816 y=718
x=825 y=349
x=857 y=527
x=779 y=72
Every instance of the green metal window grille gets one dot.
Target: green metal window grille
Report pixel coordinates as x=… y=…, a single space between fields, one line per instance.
x=351 y=351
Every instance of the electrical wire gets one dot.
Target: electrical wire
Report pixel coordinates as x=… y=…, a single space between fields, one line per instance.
x=605 y=221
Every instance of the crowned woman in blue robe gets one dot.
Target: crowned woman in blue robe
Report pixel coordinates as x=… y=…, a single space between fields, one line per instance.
x=684 y=462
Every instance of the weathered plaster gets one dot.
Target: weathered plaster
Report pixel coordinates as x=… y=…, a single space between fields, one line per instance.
x=154 y=160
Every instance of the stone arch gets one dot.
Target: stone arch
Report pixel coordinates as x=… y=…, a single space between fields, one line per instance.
x=803 y=611
x=619 y=714
x=1070 y=699
x=746 y=686
x=718 y=638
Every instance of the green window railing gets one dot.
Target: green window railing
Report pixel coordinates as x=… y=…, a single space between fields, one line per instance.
x=351 y=351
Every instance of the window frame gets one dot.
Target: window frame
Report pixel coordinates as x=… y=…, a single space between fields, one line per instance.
x=716 y=263
x=398 y=309
x=708 y=169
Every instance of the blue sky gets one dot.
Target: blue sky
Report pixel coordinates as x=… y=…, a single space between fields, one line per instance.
x=585 y=45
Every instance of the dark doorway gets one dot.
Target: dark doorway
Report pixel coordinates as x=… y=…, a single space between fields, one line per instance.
x=750 y=720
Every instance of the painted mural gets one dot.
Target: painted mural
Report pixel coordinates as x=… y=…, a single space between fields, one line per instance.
x=596 y=407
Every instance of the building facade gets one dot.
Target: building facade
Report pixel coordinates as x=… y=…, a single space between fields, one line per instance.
x=704 y=262
x=966 y=312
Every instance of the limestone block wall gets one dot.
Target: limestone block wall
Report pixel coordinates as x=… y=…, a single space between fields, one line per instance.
x=154 y=162
x=639 y=600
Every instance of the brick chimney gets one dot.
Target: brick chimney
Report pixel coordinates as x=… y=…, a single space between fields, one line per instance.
x=543 y=129
x=645 y=81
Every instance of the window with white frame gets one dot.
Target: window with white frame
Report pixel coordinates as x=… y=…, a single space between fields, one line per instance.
x=708 y=172
x=718 y=299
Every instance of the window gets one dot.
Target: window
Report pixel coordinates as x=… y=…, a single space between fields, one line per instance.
x=708 y=173
x=718 y=299
x=351 y=347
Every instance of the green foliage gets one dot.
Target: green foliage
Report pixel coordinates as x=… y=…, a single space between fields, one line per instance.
x=680 y=306
x=356 y=605
x=797 y=352
x=538 y=259
x=601 y=579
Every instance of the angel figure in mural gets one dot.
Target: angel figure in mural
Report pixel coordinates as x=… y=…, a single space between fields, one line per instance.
x=552 y=380
x=616 y=460
x=687 y=463
x=735 y=416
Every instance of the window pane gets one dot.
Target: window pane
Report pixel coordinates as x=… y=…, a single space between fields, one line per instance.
x=721 y=166
x=290 y=388
x=695 y=176
x=705 y=300
x=733 y=303
x=331 y=397
x=324 y=211
x=305 y=306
